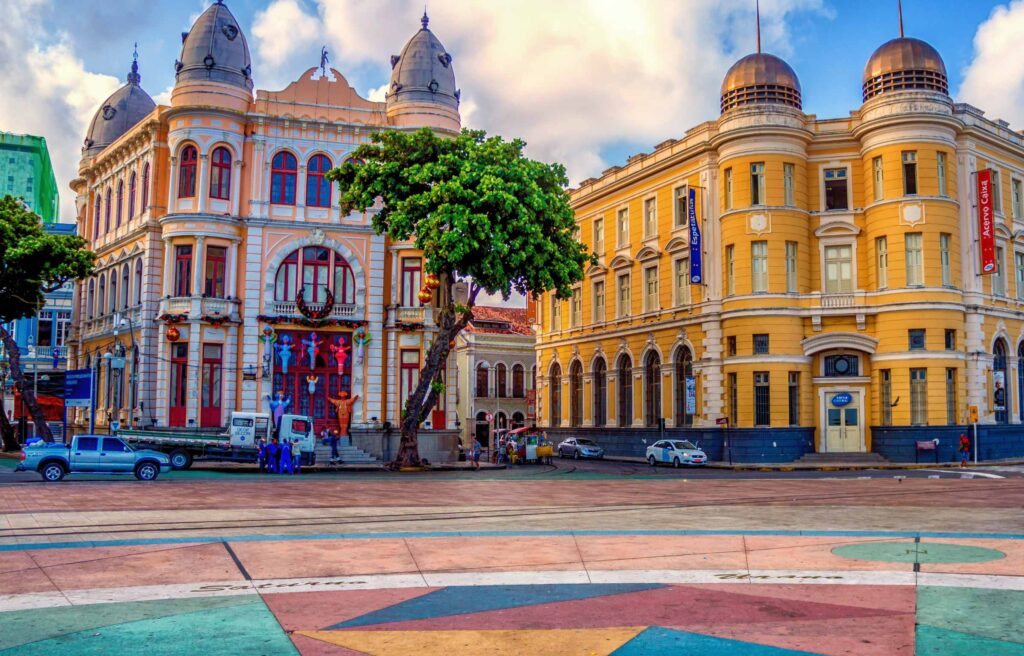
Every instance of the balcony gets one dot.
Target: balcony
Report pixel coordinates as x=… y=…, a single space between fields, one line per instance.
x=195 y=307
x=291 y=309
x=835 y=301
x=840 y=304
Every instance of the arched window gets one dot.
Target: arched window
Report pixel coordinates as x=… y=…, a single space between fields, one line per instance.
x=1000 y=391
x=600 y=392
x=576 y=394
x=220 y=173
x=501 y=381
x=90 y=302
x=125 y=272
x=132 y=187
x=282 y=179
x=101 y=299
x=120 y=202
x=500 y=420
x=625 y=376
x=684 y=371
x=144 y=205
x=518 y=388
x=533 y=377
x=518 y=420
x=138 y=282
x=106 y=213
x=187 y=172
x=96 y=215
x=556 y=394
x=652 y=389
x=310 y=269
x=481 y=381
x=318 y=187
x=113 y=292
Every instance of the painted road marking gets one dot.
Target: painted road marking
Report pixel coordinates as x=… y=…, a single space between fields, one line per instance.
x=472 y=579
x=963 y=474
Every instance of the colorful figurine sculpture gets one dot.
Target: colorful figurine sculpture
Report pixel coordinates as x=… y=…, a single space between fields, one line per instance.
x=311 y=384
x=284 y=348
x=278 y=408
x=360 y=338
x=312 y=348
x=340 y=350
x=343 y=406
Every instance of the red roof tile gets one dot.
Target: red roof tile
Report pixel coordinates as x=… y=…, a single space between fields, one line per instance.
x=514 y=317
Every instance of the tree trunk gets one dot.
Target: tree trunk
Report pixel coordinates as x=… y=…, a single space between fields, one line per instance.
x=10 y=442
x=27 y=395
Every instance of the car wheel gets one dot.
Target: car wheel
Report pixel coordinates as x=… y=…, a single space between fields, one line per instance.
x=147 y=471
x=53 y=472
x=576 y=455
x=675 y=462
x=651 y=460
x=181 y=459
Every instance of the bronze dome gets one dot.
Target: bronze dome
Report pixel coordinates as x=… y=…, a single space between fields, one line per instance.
x=904 y=64
x=760 y=78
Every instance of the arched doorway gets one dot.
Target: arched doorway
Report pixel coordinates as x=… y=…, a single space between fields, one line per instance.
x=575 y=394
x=625 y=375
x=652 y=389
x=483 y=429
x=684 y=376
x=556 y=395
x=600 y=392
x=1000 y=380
x=501 y=420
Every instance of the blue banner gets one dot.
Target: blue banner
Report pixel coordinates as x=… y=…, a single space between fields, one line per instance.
x=78 y=388
x=691 y=395
x=695 y=250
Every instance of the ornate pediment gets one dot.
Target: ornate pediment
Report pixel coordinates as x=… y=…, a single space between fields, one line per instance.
x=676 y=244
x=620 y=262
x=648 y=253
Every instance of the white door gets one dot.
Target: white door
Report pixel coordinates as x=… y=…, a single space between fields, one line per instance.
x=842 y=422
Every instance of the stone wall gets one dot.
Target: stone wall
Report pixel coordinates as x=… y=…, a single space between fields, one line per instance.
x=435 y=446
x=995 y=442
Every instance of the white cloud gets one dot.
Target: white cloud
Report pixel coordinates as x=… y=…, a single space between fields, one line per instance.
x=994 y=80
x=377 y=93
x=45 y=90
x=281 y=30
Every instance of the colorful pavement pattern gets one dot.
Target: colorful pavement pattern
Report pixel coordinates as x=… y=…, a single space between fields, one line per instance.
x=72 y=584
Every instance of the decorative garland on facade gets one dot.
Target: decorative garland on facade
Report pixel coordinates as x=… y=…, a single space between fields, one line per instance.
x=214 y=319
x=410 y=326
x=309 y=313
x=172 y=318
x=278 y=320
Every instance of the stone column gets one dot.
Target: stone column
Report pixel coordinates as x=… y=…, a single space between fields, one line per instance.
x=198 y=259
x=638 y=397
x=172 y=188
x=236 y=187
x=203 y=188
x=168 y=277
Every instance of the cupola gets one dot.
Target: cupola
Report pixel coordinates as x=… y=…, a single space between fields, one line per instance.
x=422 y=89
x=119 y=113
x=214 y=62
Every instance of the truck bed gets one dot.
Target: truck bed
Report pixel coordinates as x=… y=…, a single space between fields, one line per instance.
x=173 y=437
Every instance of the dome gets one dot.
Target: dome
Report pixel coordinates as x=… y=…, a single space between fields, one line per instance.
x=904 y=64
x=214 y=50
x=760 y=78
x=120 y=113
x=423 y=73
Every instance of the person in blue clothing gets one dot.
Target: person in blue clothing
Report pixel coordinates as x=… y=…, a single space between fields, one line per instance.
x=285 y=466
x=261 y=455
x=272 y=455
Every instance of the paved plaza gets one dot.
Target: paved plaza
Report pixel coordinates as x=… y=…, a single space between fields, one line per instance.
x=444 y=564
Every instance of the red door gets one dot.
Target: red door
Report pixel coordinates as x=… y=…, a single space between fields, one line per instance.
x=319 y=375
x=209 y=411
x=179 y=384
x=437 y=415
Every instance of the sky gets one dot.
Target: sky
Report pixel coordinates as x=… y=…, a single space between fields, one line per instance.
x=584 y=82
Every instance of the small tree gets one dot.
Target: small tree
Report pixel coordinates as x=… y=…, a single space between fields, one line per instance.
x=32 y=263
x=483 y=215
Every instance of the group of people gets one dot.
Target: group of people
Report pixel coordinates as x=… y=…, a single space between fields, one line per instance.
x=279 y=456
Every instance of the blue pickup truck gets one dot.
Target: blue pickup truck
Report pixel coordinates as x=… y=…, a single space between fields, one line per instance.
x=92 y=454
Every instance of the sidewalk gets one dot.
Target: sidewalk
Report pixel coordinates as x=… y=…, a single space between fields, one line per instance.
x=832 y=466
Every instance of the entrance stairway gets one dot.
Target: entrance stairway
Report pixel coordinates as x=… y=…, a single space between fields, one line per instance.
x=841 y=458
x=350 y=455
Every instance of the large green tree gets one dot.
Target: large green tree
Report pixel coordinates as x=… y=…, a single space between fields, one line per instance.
x=32 y=264
x=487 y=218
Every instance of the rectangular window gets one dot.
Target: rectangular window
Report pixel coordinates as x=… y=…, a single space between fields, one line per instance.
x=794 y=398
x=682 y=280
x=841 y=366
x=997 y=192
x=410 y=376
x=412 y=281
x=730 y=345
x=651 y=289
x=733 y=400
x=62 y=327
x=762 y=399
x=599 y=315
x=998 y=277
x=761 y=344
x=183 y=270
x=599 y=237
x=944 y=259
x=951 y=397
x=576 y=308
x=877 y=179
x=839 y=269
x=623 y=228
x=44 y=329
x=791 y=250
x=950 y=339
x=788 y=184
x=885 y=398
x=909 y=173
x=682 y=207
x=650 y=218
x=916 y=339
x=759 y=266
x=556 y=313
x=940 y=169
x=1018 y=259
x=216 y=265
x=757 y=183
x=622 y=305
x=835 y=189
x=915 y=263
x=728 y=189
x=919 y=397
x=1017 y=193
x=882 y=261
x=730 y=264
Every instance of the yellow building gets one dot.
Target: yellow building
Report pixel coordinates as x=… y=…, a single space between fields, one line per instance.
x=842 y=308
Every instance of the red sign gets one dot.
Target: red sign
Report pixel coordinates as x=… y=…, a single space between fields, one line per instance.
x=722 y=421
x=531 y=404
x=986 y=223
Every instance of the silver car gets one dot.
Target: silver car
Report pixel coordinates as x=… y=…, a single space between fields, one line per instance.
x=579 y=447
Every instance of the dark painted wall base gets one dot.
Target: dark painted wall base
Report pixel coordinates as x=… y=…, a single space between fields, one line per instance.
x=995 y=442
x=749 y=445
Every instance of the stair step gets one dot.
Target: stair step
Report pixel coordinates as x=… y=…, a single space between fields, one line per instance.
x=863 y=458
x=352 y=455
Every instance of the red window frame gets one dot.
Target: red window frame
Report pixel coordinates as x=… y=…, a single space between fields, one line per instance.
x=410 y=372
x=334 y=272
x=319 y=279
x=138 y=281
x=101 y=300
x=412 y=281
x=132 y=180
x=106 y=214
x=216 y=267
x=178 y=384
x=518 y=375
x=501 y=381
x=120 y=202
x=220 y=174
x=211 y=388
x=482 y=374
x=283 y=173
x=145 y=188
x=318 y=187
x=187 y=172
x=97 y=209
x=183 y=270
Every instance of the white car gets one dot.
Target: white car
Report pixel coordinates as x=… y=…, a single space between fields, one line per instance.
x=676 y=452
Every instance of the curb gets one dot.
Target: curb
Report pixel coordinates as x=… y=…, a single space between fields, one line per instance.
x=837 y=466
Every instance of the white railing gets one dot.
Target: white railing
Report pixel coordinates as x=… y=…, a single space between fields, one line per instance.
x=216 y=306
x=833 y=301
x=290 y=308
x=180 y=305
x=412 y=314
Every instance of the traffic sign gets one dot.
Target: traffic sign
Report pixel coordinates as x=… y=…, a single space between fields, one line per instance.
x=78 y=388
x=490 y=417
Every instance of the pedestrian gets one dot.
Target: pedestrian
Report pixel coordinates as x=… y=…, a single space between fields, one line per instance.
x=261 y=455
x=285 y=466
x=965 y=449
x=462 y=451
x=335 y=457
x=272 y=454
x=477 y=448
x=296 y=456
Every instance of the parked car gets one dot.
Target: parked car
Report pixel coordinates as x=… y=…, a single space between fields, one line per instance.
x=579 y=447
x=92 y=454
x=676 y=452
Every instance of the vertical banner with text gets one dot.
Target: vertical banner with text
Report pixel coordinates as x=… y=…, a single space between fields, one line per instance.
x=696 y=277
x=986 y=223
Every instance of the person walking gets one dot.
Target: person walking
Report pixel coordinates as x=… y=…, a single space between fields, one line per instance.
x=296 y=457
x=964 y=449
x=285 y=466
x=261 y=455
x=477 y=448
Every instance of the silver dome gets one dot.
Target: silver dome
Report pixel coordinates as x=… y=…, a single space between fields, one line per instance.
x=120 y=113
x=423 y=72
x=215 y=50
